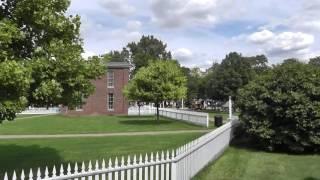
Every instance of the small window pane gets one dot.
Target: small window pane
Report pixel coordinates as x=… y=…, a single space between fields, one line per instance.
x=110 y=79
x=110 y=101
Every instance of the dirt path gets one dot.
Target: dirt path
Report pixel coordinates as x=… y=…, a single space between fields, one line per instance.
x=39 y=136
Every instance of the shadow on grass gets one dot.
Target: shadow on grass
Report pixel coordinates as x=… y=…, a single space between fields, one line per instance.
x=14 y=157
x=311 y=178
x=137 y=117
x=246 y=143
x=145 y=122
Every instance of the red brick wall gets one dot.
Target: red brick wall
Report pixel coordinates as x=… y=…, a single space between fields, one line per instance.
x=97 y=103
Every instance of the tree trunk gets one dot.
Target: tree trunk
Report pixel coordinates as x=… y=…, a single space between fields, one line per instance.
x=157 y=111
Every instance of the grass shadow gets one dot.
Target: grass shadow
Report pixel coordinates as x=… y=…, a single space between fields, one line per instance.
x=244 y=141
x=145 y=122
x=137 y=117
x=311 y=178
x=15 y=158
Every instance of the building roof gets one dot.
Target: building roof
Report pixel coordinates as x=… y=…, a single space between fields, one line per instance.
x=122 y=65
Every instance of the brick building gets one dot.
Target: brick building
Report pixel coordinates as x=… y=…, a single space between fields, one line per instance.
x=108 y=97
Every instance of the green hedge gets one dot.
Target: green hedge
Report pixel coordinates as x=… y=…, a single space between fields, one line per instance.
x=281 y=109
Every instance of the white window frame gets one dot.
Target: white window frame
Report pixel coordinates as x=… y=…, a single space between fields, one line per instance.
x=110 y=79
x=108 y=101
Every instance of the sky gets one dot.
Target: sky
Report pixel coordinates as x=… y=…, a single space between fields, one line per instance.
x=200 y=32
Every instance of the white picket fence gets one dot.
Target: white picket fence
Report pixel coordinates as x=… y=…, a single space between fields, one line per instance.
x=197 y=118
x=41 y=110
x=181 y=164
x=144 y=111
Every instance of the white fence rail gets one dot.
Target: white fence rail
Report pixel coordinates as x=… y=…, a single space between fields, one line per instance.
x=144 y=111
x=181 y=164
x=194 y=156
x=198 y=118
x=33 y=110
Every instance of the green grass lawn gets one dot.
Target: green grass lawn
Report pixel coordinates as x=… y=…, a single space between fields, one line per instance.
x=17 y=154
x=58 y=124
x=212 y=113
x=247 y=164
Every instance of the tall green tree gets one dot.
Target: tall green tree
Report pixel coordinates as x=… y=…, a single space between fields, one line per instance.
x=147 y=49
x=40 y=40
x=291 y=61
x=234 y=72
x=14 y=83
x=258 y=63
x=315 y=61
x=118 y=56
x=160 y=81
x=196 y=84
x=281 y=108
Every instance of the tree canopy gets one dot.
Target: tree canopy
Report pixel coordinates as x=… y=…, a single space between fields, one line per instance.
x=38 y=40
x=281 y=108
x=234 y=72
x=160 y=81
x=315 y=61
x=117 y=56
x=196 y=84
x=147 y=49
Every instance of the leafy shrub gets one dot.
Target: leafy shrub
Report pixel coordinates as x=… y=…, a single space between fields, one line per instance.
x=281 y=109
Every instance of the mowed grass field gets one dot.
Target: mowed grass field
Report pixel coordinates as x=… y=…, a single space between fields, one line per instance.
x=58 y=124
x=239 y=163
x=34 y=153
x=17 y=154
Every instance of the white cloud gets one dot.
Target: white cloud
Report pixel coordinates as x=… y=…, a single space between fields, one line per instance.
x=118 y=7
x=206 y=29
x=134 y=25
x=304 y=18
x=288 y=41
x=308 y=17
x=283 y=43
x=190 y=59
x=129 y=36
x=183 y=54
x=100 y=38
x=175 y=13
x=313 y=24
x=261 y=36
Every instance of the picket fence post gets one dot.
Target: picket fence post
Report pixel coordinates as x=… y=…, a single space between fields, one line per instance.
x=174 y=167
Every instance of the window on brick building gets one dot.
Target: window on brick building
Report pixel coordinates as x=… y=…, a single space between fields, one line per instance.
x=110 y=79
x=110 y=101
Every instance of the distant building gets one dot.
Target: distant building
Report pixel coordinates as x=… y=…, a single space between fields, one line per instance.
x=108 y=98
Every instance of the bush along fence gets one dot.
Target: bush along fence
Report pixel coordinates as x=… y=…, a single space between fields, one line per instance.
x=180 y=164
